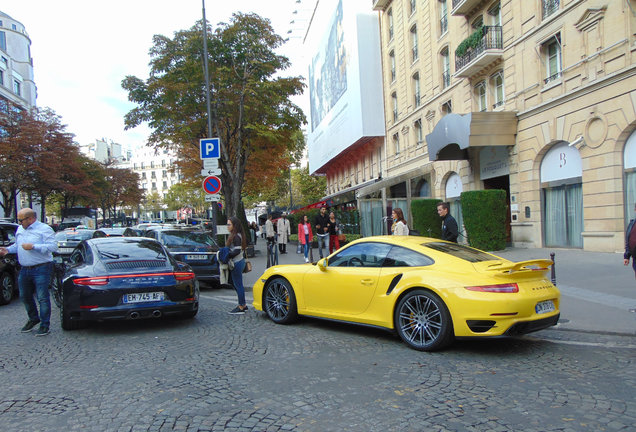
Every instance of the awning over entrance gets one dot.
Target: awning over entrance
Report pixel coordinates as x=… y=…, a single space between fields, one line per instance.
x=455 y=133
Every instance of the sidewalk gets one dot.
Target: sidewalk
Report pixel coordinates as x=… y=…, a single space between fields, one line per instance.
x=597 y=290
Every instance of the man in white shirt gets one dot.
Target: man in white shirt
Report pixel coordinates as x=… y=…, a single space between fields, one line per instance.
x=34 y=244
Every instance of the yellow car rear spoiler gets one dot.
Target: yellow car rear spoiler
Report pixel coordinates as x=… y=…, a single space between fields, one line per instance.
x=521 y=266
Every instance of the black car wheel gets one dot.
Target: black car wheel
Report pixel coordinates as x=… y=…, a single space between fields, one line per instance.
x=65 y=319
x=280 y=301
x=7 y=288
x=423 y=322
x=55 y=290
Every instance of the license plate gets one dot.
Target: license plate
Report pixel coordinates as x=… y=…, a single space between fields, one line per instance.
x=65 y=250
x=196 y=257
x=143 y=297
x=544 y=307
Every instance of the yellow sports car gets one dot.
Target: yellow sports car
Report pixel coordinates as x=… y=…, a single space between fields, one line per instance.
x=428 y=290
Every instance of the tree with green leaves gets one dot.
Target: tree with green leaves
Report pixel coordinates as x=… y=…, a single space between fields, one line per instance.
x=251 y=109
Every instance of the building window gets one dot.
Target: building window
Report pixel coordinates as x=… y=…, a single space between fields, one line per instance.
x=396 y=143
x=447 y=107
x=498 y=85
x=142 y=165
x=165 y=184
x=552 y=51
x=419 y=133
x=445 y=68
x=152 y=164
x=135 y=166
x=395 y=105
x=549 y=7
x=14 y=27
x=154 y=186
x=413 y=6
x=164 y=174
x=143 y=175
x=416 y=89
x=389 y=17
x=17 y=87
x=480 y=92
x=495 y=14
x=3 y=41
x=443 y=17
x=414 y=53
x=1 y=77
x=392 y=61
x=153 y=174
x=163 y=163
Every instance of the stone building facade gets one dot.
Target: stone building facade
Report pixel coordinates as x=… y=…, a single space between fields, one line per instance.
x=536 y=97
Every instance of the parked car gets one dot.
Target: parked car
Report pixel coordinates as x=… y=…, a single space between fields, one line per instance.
x=67 y=240
x=9 y=269
x=125 y=278
x=427 y=290
x=9 y=266
x=110 y=232
x=194 y=247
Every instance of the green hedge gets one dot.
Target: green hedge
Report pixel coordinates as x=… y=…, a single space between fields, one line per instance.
x=484 y=213
x=426 y=221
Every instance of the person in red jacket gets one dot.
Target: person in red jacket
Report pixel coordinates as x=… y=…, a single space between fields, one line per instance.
x=305 y=236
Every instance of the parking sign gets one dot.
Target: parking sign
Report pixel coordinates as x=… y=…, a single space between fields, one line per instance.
x=210 y=148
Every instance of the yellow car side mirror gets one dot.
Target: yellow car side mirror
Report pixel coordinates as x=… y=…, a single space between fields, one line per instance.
x=322 y=264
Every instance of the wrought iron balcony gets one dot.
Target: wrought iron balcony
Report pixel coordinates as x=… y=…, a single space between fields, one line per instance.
x=463 y=7
x=487 y=50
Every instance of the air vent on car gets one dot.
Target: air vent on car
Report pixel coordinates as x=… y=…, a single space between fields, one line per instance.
x=121 y=265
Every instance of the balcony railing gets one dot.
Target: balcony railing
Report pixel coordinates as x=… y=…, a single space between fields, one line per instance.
x=446 y=76
x=552 y=77
x=492 y=39
x=549 y=7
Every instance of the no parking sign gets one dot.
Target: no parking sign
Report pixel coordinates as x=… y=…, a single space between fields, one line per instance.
x=212 y=185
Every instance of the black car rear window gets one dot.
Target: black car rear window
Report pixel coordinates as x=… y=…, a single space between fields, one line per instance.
x=131 y=250
x=460 y=251
x=178 y=238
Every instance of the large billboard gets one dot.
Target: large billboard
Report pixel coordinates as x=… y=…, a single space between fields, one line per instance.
x=345 y=79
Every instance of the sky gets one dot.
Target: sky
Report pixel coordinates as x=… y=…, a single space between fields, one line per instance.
x=82 y=49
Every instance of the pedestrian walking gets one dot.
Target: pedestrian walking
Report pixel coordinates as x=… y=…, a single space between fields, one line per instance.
x=630 y=244
x=334 y=231
x=322 y=230
x=399 y=226
x=254 y=230
x=269 y=229
x=284 y=231
x=237 y=243
x=305 y=236
x=450 y=230
x=34 y=244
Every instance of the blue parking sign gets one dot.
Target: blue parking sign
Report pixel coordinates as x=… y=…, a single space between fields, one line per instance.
x=210 y=148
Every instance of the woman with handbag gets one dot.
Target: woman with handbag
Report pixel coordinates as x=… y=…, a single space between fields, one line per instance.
x=334 y=233
x=237 y=243
x=305 y=236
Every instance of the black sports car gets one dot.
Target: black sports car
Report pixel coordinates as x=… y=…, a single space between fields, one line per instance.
x=125 y=278
x=194 y=247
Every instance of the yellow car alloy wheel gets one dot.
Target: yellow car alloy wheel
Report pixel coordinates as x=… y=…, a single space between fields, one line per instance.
x=423 y=322
x=280 y=301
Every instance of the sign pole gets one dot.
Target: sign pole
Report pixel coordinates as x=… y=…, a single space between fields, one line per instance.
x=207 y=93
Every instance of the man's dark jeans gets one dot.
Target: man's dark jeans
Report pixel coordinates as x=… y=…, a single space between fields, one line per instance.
x=35 y=281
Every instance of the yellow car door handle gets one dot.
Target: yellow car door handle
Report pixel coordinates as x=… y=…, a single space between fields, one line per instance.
x=367 y=281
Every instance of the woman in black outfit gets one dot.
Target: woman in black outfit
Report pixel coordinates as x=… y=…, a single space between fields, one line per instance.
x=237 y=244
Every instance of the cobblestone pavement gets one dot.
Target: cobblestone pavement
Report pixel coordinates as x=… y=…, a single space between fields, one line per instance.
x=243 y=373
